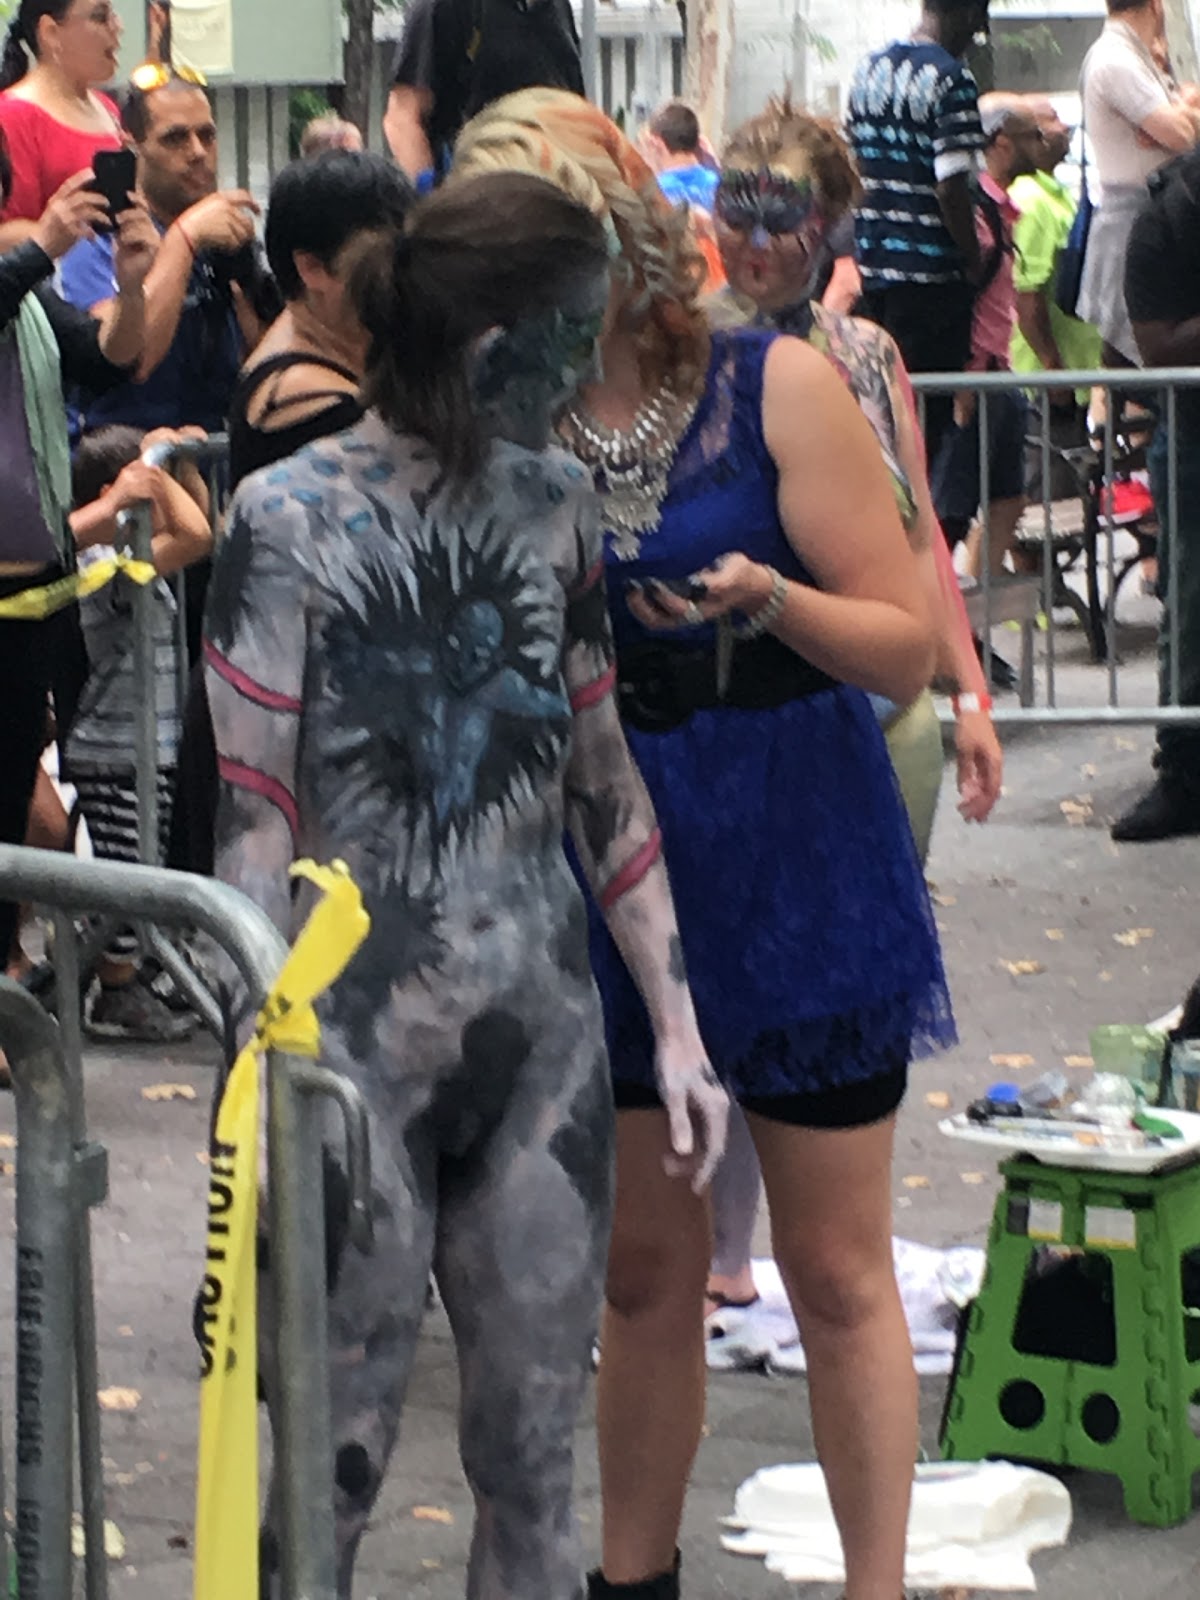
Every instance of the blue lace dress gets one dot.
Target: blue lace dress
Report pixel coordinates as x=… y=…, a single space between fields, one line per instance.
x=806 y=927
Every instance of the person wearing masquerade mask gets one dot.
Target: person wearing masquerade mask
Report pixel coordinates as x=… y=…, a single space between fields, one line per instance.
x=756 y=571
x=788 y=178
x=409 y=665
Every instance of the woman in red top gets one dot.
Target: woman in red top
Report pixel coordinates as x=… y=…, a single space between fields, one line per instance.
x=51 y=114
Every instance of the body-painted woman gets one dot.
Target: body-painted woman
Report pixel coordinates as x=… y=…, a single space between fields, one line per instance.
x=411 y=668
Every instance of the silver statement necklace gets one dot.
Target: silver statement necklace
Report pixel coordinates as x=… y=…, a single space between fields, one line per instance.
x=631 y=466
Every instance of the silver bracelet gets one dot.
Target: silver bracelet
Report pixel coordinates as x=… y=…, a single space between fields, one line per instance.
x=754 y=627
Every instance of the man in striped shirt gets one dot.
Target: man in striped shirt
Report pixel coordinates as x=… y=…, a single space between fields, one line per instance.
x=913 y=120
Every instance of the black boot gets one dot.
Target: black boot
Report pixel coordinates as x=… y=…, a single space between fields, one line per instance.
x=664 y=1587
x=1166 y=811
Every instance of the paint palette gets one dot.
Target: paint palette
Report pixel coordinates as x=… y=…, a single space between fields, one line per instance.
x=1082 y=1144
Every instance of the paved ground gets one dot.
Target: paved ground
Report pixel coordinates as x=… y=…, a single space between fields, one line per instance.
x=1036 y=868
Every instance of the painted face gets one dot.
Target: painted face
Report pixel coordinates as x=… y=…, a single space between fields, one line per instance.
x=769 y=227
x=528 y=372
x=765 y=204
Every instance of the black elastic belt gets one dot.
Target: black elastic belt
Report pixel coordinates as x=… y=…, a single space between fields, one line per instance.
x=659 y=686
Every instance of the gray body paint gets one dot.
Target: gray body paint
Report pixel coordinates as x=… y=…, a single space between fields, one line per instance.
x=420 y=685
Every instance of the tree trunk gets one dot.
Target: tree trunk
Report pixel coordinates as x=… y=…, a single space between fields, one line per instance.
x=359 y=63
x=709 y=62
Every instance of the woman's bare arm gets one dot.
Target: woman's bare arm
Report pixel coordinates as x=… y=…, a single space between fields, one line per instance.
x=868 y=622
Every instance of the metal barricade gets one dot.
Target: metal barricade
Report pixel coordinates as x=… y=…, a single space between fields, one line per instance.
x=59 y=1175
x=1098 y=530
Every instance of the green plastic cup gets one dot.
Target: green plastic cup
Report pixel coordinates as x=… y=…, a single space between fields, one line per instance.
x=1132 y=1051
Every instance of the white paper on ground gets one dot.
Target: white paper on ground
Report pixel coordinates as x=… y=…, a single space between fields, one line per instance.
x=973 y=1525
x=933 y=1283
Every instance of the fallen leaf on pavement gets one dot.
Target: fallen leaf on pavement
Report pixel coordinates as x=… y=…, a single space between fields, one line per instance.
x=1133 y=937
x=1055 y=935
x=177 y=1541
x=119 y=1399
x=168 y=1091
x=430 y=1565
x=973 y=1179
x=1104 y=977
x=114 y=1541
x=1013 y=1063
x=916 y=1181
x=944 y=899
x=126 y=1332
x=8 y=1141
x=938 y=1100
x=1023 y=969
x=1078 y=1061
x=434 y=1514
x=1121 y=743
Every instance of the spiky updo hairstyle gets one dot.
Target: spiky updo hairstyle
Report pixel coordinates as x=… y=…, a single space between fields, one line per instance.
x=784 y=135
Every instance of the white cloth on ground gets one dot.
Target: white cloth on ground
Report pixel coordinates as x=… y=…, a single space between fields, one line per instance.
x=972 y=1525
x=933 y=1284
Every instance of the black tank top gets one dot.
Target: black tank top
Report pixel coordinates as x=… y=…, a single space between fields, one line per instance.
x=252 y=446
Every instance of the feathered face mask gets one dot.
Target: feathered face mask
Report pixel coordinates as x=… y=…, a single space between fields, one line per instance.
x=766 y=204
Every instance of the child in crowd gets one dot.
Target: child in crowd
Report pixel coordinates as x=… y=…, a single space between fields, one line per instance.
x=109 y=478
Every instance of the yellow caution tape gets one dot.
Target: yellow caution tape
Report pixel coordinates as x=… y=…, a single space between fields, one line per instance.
x=35 y=605
x=227 y=1496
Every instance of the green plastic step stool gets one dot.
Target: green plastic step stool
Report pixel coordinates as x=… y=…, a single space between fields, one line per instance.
x=1136 y=1415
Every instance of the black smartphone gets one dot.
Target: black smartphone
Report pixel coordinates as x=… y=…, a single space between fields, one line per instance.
x=685 y=588
x=114 y=175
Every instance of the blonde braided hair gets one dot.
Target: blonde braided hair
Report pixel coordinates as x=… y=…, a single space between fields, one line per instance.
x=568 y=141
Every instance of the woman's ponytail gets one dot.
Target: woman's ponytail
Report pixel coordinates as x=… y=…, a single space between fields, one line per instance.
x=416 y=370
x=21 y=40
x=15 y=61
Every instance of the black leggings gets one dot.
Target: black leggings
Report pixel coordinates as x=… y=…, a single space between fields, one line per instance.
x=855 y=1105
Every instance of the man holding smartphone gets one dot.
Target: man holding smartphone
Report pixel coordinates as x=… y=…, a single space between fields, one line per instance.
x=204 y=307
x=201 y=322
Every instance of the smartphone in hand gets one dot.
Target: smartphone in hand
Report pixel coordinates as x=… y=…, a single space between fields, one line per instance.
x=114 y=175
x=691 y=588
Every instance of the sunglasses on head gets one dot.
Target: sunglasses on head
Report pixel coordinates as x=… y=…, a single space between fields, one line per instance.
x=749 y=201
x=153 y=75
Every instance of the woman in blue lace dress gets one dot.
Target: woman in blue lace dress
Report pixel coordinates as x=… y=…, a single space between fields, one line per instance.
x=757 y=569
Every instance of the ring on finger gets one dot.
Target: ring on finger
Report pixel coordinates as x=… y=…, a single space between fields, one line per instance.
x=692 y=615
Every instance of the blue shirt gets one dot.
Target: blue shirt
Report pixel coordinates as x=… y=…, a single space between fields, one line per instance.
x=194 y=381
x=913 y=120
x=693 y=186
